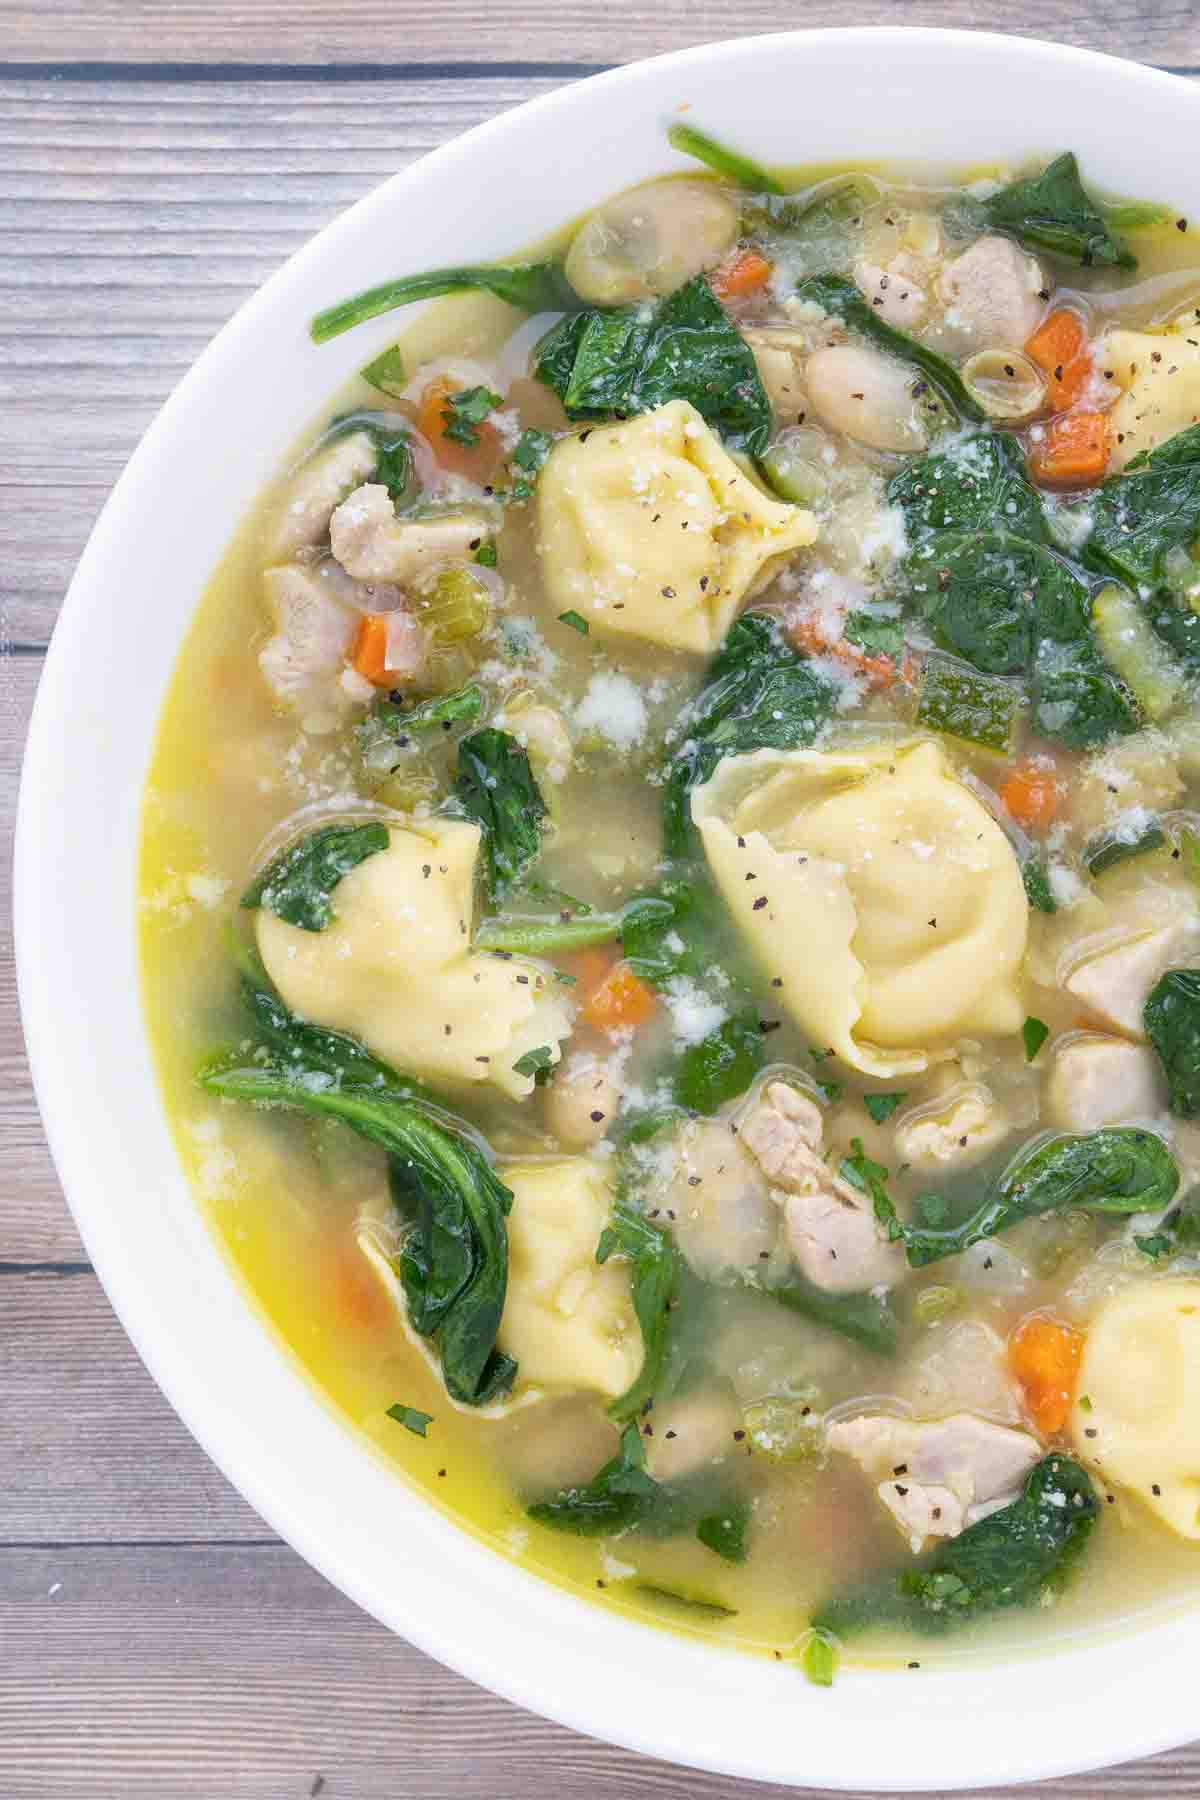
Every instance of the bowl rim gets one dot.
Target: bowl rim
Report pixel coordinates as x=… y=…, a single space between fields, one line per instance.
x=512 y=1661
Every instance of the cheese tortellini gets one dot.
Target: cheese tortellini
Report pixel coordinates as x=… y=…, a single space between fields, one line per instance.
x=568 y=1320
x=650 y=530
x=1137 y=1418
x=395 y=967
x=877 y=894
x=1159 y=378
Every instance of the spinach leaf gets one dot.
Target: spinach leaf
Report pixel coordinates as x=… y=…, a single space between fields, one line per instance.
x=958 y=701
x=1010 y=1558
x=537 y=1062
x=880 y=1107
x=730 y=163
x=759 y=694
x=454 y=1258
x=980 y=485
x=625 y=361
x=458 y=708
x=1121 y=1169
x=655 y=1274
x=1034 y=1033
x=410 y=1418
x=842 y=299
x=496 y=788
x=1179 y=1231
x=1078 y=699
x=331 y=1055
x=725 y=1531
x=624 y=1496
x=874 y=635
x=1153 y=507
x=722 y=1065
x=991 y=598
x=387 y=373
x=866 y=1318
x=297 y=884
x=533 y=287
x=1051 y=211
x=464 y=413
x=393 y=447
x=1172 y=1019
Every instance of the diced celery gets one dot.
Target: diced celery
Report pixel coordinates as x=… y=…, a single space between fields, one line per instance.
x=1129 y=644
x=456 y=607
x=793 y=466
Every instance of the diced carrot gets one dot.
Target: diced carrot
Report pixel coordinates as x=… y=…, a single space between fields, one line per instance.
x=879 y=672
x=620 y=1000
x=358 y=1293
x=1072 y=452
x=370 y=649
x=1044 y=1356
x=1031 y=796
x=1060 y=349
x=479 y=461
x=589 y=967
x=741 y=275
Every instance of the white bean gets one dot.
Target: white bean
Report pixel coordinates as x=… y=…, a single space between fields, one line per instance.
x=872 y=398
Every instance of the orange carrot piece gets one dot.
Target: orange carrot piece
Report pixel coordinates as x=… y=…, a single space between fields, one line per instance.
x=1044 y=1356
x=740 y=276
x=620 y=1000
x=1031 y=796
x=1060 y=349
x=1073 y=452
x=479 y=461
x=370 y=649
x=879 y=672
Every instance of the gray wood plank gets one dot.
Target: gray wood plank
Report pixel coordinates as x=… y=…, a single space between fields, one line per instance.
x=35 y=1225
x=239 y=1672
x=92 y=1452
x=439 y=31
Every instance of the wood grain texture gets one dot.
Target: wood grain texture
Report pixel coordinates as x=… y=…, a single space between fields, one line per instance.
x=370 y=32
x=158 y=1640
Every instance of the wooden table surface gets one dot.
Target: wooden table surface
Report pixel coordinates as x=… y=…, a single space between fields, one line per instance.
x=158 y=161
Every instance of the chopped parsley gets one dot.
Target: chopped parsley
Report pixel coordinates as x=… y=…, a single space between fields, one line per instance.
x=410 y=1418
x=537 y=1063
x=464 y=413
x=882 y=1106
x=575 y=620
x=1034 y=1033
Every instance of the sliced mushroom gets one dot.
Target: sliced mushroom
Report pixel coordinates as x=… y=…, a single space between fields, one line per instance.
x=650 y=240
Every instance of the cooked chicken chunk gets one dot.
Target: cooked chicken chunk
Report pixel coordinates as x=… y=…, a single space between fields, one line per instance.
x=897 y=299
x=372 y=544
x=1115 y=985
x=1098 y=1081
x=938 y=1477
x=320 y=484
x=779 y=353
x=993 y=295
x=832 y=1235
x=304 y=664
x=955 y=1135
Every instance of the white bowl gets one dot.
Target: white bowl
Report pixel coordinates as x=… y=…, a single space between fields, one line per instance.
x=799 y=97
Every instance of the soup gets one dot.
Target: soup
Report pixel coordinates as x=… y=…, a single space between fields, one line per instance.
x=670 y=912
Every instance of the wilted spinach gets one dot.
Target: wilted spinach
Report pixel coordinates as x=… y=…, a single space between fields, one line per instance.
x=1179 y=1231
x=865 y=1318
x=993 y=598
x=655 y=1273
x=1121 y=1169
x=1052 y=211
x=297 y=885
x=1172 y=1018
x=619 y=362
x=1151 y=508
x=759 y=694
x=534 y=287
x=843 y=299
x=495 y=787
x=1010 y=1558
x=980 y=485
x=454 y=1258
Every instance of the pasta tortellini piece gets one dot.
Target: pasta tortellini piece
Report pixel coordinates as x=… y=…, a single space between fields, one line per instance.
x=1159 y=378
x=876 y=892
x=650 y=530
x=395 y=968
x=1140 y=1378
x=568 y=1320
